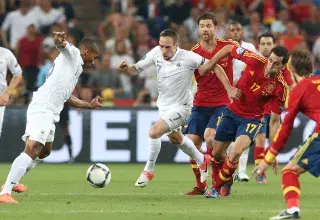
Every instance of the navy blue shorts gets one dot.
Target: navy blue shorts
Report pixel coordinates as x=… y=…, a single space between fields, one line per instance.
x=308 y=155
x=202 y=118
x=266 y=126
x=232 y=126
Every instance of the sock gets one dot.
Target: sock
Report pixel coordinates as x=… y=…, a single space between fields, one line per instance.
x=154 y=150
x=259 y=156
x=197 y=174
x=243 y=160
x=69 y=144
x=188 y=147
x=216 y=166
x=291 y=189
x=18 y=169
x=225 y=174
x=33 y=164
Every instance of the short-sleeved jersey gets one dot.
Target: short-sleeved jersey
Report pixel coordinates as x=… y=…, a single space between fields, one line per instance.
x=7 y=61
x=61 y=80
x=257 y=89
x=174 y=76
x=210 y=90
x=304 y=97
x=289 y=81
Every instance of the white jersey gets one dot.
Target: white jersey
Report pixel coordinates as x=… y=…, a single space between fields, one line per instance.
x=238 y=65
x=61 y=80
x=174 y=76
x=7 y=61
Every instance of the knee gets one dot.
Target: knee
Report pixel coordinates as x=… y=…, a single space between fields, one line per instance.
x=176 y=139
x=44 y=153
x=154 y=133
x=209 y=141
x=33 y=149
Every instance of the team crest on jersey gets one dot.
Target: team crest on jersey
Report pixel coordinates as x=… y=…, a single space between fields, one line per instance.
x=179 y=65
x=240 y=50
x=270 y=87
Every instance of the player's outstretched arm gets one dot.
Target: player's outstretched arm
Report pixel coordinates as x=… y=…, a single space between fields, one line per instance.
x=60 y=39
x=233 y=92
x=78 y=103
x=126 y=69
x=226 y=50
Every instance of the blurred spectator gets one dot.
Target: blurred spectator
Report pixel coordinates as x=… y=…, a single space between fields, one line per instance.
x=17 y=22
x=191 y=24
x=7 y=6
x=222 y=26
x=150 y=9
x=106 y=78
x=178 y=12
x=28 y=52
x=45 y=68
x=292 y=38
x=120 y=35
x=302 y=10
x=121 y=54
x=108 y=97
x=279 y=26
x=150 y=78
x=123 y=6
x=46 y=15
x=219 y=5
x=48 y=43
x=144 y=99
x=254 y=29
x=66 y=8
x=184 y=41
x=311 y=28
x=86 y=94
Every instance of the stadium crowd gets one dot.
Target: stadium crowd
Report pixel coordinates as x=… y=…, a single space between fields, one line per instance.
x=131 y=28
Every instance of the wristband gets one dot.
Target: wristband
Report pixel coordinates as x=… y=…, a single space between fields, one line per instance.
x=270 y=157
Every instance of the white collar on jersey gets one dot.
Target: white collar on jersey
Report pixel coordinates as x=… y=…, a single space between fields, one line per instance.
x=175 y=55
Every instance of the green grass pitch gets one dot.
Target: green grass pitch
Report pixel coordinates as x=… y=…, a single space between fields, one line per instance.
x=60 y=192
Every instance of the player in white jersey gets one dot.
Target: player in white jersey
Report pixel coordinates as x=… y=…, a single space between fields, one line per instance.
x=7 y=62
x=175 y=68
x=46 y=105
x=235 y=32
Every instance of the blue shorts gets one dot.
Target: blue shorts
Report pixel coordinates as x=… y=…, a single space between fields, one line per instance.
x=202 y=118
x=308 y=155
x=266 y=126
x=232 y=126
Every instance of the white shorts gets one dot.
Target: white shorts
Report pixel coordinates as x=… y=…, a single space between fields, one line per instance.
x=40 y=125
x=2 y=109
x=176 y=117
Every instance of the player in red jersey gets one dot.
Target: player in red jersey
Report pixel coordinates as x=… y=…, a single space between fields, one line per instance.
x=304 y=98
x=211 y=97
x=272 y=121
x=260 y=83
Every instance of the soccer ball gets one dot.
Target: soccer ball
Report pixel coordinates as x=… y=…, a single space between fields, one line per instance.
x=98 y=175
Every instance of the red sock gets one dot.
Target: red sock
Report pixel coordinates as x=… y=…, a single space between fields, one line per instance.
x=216 y=166
x=225 y=174
x=196 y=172
x=291 y=188
x=259 y=156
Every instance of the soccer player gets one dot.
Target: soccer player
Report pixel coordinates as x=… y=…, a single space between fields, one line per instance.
x=304 y=98
x=211 y=97
x=175 y=68
x=260 y=83
x=272 y=121
x=46 y=106
x=235 y=32
x=7 y=61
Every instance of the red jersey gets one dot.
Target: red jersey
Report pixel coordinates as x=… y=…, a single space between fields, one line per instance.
x=257 y=90
x=211 y=91
x=288 y=79
x=304 y=97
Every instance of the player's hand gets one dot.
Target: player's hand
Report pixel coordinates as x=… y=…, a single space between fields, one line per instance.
x=60 y=39
x=257 y=170
x=96 y=103
x=234 y=93
x=123 y=66
x=4 y=99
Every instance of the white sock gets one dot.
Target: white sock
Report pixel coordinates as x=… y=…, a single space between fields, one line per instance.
x=33 y=164
x=243 y=161
x=293 y=210
x=18 y=169
x=188 y=147
x=154 y=150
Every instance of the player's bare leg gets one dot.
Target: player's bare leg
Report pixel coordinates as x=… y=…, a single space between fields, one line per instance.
x=200 y=188
x=259 y=155
x=291 y=191
x=209 y=139
x=19 y=168
x=224 y=180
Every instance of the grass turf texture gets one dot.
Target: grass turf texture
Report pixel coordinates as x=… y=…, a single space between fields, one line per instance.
x=61 y=192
